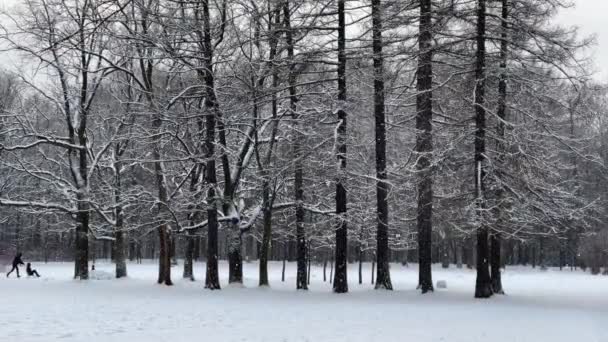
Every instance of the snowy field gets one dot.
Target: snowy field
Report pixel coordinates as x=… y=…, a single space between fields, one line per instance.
x=539 y=306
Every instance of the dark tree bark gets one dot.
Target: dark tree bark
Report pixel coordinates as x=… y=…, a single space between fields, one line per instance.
x=119 y=246
x=495 y=238
x=424 y=147
x=309 y=260
x=495 y=242
x=360 y=265
x=324 y=268
x=164 y=263
x=267 y=196
x=212 y=280
x=383 y=279
x=81 y=267
x=189 y=259
x=458 y=251
x=445 y=253
x=235 y=260
x=301 y=283
x=373 y=271
x=483 y=284
x=164 y=260
x=340 y=277
x=541 y=253
x=266 y=234
x=284 y=262
x=191 y=239
x=331 y=272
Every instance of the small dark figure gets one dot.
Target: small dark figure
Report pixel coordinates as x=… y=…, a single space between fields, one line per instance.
x=30 y=271
x=16 y=262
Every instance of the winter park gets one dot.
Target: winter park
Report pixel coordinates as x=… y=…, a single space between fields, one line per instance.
x=303 y=170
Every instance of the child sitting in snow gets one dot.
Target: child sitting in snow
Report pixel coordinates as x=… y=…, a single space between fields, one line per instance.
x=30 y=271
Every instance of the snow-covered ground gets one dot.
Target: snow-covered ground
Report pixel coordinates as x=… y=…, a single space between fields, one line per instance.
x=539 y=306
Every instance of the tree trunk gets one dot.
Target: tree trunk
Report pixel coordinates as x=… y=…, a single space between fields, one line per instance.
x=445 y=252
x=189 y=257
x=301 y=278
x=383 y=280
x=173 y=245
x=235 y=261
x=495 y=263
x=541 y=253
x=495 y=238
x=284 y=260
x=340 y=279
x=424 y=147
x=331 y=272
x=309 y=260
x=360 y=266
x=164 y=259
x=164 y=264
x=267 y=197
x=81 y=267
x=483 y=284
x=212 y=279
x=458 y=253
x=119 y=248
x=266 y=234
x=373 y=271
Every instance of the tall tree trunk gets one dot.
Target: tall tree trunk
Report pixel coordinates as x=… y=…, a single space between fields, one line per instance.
x=495 y=238
x=189 y=258
x=119 y=234
x=191 y=239
x=360 y=265
x=424 y=147
x=164 y=259
x=445 y=252
x=340 y=277
x=324 y=267
x=458 y=251
x=164 y=263
x=81 y=267
x=373 y=271
x=383 y=279
x=309 y=260
x=83 y=215
x=495 y=247
x=267 y=197
x=119 y=247
x=266 y=234
x=301 y=283
x=284 y=262
x=235 y=260
x=483 y=284
x=212 y=279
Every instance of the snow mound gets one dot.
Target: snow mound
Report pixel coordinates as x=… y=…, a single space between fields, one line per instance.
x=442 y=284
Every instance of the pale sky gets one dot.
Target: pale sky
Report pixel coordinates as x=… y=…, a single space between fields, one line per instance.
x=591 y=16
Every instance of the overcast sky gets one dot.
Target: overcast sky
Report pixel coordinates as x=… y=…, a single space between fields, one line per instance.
x=591 y=16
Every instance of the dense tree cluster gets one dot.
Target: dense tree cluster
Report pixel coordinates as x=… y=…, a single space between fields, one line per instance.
x=452 y=131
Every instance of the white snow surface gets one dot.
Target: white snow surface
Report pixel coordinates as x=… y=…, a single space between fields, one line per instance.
x=553 y=305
